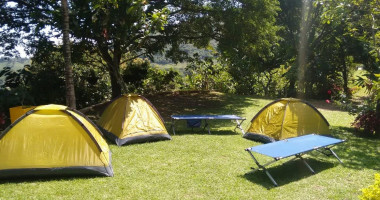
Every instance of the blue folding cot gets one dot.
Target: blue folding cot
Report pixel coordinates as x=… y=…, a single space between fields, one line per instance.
x=296 y=146
x=195 y=120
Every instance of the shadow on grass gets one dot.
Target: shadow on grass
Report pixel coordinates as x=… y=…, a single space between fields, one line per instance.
x=46 y=178
x=217 y=127
x=287 y=173
x=200 y=131
x=200 y=103
x=357 y=152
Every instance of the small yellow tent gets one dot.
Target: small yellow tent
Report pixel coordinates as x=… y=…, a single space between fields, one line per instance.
x=285 y=118
x=132 y=119
x=53 y=140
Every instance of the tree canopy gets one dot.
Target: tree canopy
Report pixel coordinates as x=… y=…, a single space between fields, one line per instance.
x=119 y=31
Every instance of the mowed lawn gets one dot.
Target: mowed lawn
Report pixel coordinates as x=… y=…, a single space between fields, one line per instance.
x=196 y=165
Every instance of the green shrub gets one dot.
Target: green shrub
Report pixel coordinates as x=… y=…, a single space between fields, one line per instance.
x=134 y=73
x=367 y=121
x=373 y=191
x=205 y=74
x=161 y=80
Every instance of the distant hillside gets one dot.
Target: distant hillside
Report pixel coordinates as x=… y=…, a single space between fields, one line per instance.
x=159 y=60
x=188 y=48
x=14 y=63
x=165 y=63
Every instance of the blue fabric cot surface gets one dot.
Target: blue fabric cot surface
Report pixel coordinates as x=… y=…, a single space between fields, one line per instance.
x=194 y=123
x=296 y=145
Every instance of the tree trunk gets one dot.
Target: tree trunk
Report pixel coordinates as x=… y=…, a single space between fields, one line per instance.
x=292 y=88
x=345 y=76
x=377 y=129
x=113 y=66
x=69 y=81
x=116 y=80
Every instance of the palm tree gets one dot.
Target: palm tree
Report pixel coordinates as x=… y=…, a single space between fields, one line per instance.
x=69 y=81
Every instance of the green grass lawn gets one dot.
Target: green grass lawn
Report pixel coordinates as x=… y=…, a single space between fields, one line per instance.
x=196 y=165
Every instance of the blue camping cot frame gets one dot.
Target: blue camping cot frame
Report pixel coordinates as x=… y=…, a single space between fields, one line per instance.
x=237 y=119
x=296 y=146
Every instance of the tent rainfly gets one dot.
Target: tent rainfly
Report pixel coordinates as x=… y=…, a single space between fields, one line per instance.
x=53 y=140
x=285 y=118
x=131 y=119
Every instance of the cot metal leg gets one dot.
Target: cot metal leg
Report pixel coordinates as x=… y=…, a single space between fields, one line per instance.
x=238 y=125
x=331 y=153
x=173 y=126
x=262 y=167
x=336 y=156
x=307 y=165
x=270 y=177
x=208 y=127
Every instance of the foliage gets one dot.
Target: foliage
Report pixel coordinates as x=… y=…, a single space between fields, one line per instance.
x=257 y=42
x=249 y=41
x=369 y=115
x=47 y=85
x=271 y=83
x=376 y=87
x=3 y=119
x=368 y=121
x=142 y=77
x=42 y=82
x=14 y=90
x=205 y=74
x=91 y=85
x=112 y=29
x=134 y=73
x=161 y=80
x=373 y=191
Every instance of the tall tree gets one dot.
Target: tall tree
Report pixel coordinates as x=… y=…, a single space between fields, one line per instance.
x=247 y=36
x=69 y=80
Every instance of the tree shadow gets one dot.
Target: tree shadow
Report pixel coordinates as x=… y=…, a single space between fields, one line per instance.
x=199 y=102
x=288 y=172
x=217 y=127
x=200 y=131
x=357 y=152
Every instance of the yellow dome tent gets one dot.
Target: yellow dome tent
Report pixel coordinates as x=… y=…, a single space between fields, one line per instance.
x=132 y=119
x=53 y=140
x=285 y=118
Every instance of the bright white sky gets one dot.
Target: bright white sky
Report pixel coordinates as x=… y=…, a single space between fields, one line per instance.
x=22 y=52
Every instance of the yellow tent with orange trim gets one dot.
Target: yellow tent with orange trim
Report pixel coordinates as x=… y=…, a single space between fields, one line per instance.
x=285 y=118
x=53 y=140
x=130 y=119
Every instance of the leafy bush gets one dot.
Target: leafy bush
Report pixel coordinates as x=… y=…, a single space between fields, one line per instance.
x=372 y=192
x=3 y=121
x=92 y=85
x=368 y=118
x=367 y=121
x=205 y=74
x=14 y=91
x=160 y=80
x=271 y=83
x=134 y=74
x=42 y=82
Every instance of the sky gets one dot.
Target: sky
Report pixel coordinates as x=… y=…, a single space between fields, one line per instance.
x=22 y=52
